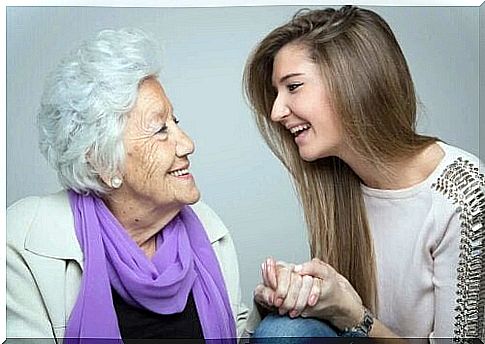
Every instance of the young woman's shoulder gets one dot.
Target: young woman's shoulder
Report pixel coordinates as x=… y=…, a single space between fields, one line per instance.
x=457 y=192
x=460 y=176
x=454 y=153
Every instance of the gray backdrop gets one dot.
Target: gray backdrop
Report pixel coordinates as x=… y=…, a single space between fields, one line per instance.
x=204 y=52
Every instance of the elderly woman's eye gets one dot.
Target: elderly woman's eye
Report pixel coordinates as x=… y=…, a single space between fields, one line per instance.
x=163 y=129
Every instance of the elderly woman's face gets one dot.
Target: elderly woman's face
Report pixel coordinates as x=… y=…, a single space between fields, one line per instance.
x=156 y=163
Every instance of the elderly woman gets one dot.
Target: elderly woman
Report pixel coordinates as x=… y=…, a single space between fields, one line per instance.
x=119 y=253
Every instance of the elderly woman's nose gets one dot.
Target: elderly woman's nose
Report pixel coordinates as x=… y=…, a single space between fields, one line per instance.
x=185 y=145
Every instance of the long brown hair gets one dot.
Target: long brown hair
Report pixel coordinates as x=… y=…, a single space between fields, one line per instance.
x=372 y=93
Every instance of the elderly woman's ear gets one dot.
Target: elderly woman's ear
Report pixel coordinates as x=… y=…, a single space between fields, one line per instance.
x=112 y=180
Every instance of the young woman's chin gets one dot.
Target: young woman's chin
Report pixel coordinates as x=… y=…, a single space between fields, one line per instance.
x=310 y=156
x=311 y=152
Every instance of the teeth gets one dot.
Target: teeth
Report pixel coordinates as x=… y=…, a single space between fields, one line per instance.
x=299 y=128
x=179 y=173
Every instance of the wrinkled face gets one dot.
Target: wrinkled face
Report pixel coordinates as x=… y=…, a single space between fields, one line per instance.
x=302 y=104
x=156 y=163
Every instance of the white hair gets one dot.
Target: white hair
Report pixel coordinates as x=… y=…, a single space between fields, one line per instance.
x=84 y=104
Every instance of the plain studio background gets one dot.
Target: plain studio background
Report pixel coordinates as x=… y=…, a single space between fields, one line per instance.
x=205 y=50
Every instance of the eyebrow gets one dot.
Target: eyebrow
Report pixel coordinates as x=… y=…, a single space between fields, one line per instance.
x=162 y=112
x=287 y=76
x=156 y=114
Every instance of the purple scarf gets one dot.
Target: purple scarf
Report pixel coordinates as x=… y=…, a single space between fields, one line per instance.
x=184 y=262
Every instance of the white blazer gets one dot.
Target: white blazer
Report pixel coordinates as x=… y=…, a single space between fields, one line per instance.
x=45 y=262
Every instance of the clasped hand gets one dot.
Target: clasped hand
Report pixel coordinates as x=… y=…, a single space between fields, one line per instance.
x=312 y=289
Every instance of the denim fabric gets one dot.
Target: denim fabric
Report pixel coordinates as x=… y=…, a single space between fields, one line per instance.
x=285 y=330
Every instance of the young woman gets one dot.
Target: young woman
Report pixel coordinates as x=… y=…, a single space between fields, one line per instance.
x=395 y=218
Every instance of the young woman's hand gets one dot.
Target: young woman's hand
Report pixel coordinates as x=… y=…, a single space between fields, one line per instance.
x=332 y=297
x=313 y=289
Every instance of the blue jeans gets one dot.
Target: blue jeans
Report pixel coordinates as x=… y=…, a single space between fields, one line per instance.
x=275 y=328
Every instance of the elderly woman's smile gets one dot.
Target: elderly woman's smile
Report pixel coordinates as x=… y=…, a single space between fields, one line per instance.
x=156 y=166
x=181 y=173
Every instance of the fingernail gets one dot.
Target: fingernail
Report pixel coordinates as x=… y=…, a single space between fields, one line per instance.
x=313 y=300
x=297 y=268
x=294 y=313
x=278 y=302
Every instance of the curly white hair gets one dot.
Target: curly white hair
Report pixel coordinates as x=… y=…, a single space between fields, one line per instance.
x=85 y=102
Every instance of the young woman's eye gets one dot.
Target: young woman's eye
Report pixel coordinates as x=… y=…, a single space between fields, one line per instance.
x=292 y=87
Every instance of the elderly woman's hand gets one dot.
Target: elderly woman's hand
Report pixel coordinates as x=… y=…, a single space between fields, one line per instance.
x=283 y=289
x=264 y=293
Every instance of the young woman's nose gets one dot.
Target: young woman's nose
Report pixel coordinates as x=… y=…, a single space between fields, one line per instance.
x=280 y=110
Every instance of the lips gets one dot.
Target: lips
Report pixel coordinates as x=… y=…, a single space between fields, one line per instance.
x=298 y=129
x=182 y=171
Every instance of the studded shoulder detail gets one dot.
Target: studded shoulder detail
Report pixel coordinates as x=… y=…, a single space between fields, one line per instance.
x=463 y=183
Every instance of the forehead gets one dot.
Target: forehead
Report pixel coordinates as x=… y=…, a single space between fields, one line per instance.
x=152 y=99
x=291 y=58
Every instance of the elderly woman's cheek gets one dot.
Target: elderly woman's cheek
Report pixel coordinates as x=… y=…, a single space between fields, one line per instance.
x=157 y=160
x=140 y=163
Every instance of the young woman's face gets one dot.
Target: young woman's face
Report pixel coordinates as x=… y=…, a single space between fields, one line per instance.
x=302 y=104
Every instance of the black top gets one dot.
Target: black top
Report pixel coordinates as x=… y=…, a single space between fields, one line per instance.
x=139 y=323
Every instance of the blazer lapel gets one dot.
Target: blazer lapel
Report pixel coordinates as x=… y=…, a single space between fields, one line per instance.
x=53 y=234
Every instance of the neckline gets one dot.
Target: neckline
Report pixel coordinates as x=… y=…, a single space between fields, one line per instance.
x=414 y=189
